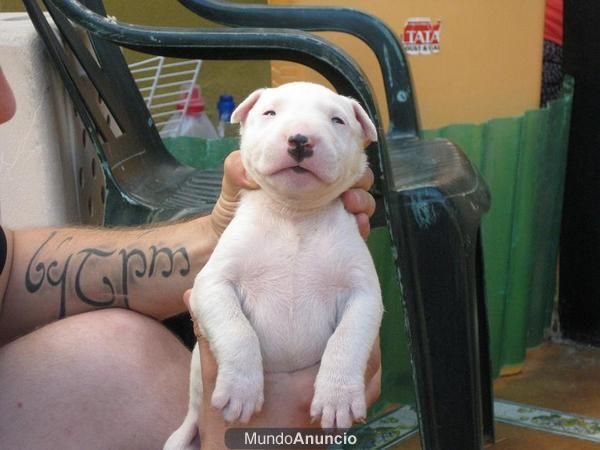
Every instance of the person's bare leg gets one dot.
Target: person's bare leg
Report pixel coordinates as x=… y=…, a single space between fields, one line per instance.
x=107 y=379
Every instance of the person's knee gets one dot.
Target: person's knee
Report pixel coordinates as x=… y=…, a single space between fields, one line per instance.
x=115 y=365
x=137 y=354
x=103 y=326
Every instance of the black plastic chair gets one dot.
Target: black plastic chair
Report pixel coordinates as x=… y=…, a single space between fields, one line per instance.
x=434 y=217
x=436 y=203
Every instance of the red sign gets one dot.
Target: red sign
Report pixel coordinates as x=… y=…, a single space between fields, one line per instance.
x=421 y=36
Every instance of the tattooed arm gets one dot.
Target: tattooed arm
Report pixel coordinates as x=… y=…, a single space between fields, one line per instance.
x=60 y=272
x=54 y=273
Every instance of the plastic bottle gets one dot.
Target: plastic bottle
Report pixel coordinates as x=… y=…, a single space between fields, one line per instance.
x=225 y=107
x=193 y=123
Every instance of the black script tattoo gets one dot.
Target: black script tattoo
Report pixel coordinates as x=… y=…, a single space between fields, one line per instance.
x=96 y=264
x=30 y=284
x=171 y=255
x=126 y=256
x=89 y=253
x=61 y=280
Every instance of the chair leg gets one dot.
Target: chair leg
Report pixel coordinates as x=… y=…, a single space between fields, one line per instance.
x=439 y=247
x=487 y=392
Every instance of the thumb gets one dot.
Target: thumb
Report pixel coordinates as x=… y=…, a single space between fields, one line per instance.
x=187 y=295
x=235 y=178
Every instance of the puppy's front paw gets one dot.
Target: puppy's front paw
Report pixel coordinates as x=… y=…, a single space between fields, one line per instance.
x=338 y=405
x=238 y=393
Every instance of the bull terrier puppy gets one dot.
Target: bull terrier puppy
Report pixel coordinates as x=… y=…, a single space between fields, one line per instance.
x=291 y=282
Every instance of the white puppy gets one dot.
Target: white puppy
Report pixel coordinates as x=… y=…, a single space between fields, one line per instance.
x=291 y=282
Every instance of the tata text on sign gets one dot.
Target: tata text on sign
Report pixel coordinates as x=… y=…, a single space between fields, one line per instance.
x=421 y=36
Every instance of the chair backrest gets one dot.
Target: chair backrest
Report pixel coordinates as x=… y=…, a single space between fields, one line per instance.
x=125 y=137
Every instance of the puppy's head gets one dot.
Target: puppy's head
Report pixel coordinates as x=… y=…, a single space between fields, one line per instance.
x=302 y=143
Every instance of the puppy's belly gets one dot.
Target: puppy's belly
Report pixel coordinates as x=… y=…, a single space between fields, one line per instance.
x=292 y=325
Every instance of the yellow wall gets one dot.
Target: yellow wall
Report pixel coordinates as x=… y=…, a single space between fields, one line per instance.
x=489 y=65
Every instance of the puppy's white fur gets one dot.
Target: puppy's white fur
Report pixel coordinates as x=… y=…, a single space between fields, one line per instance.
x=291 y=282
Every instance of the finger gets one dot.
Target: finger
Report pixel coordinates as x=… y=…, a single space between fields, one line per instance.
x=374 y=361
x=235 y=177
x=8 y=105
x=366 y=181
x=373 y=374
x=373 y=388
x=208 y=364
x=359 y=201
x=187 y=295
x=364 y=225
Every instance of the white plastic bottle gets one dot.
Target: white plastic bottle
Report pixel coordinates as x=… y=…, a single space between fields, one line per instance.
x=191 y=121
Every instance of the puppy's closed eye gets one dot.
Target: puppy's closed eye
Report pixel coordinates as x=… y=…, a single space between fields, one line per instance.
x=338 y=120
x=270 y=112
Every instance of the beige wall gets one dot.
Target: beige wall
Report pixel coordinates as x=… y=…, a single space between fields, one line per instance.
x=489 y=64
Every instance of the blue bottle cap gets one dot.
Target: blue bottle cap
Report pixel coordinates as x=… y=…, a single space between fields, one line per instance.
x=225 y=106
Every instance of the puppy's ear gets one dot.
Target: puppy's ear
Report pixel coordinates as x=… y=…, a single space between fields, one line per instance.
x=241 y=112
x=368 y=128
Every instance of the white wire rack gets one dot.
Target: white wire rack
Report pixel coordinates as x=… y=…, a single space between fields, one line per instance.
x=164 y=85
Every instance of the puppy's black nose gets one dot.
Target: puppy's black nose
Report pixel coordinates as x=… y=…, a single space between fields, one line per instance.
x=299 y=147
x=298 y=140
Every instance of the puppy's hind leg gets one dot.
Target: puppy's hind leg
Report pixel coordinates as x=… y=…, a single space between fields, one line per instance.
x=186 y=436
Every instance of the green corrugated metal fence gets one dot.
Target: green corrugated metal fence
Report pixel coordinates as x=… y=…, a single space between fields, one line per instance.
x=523 y=160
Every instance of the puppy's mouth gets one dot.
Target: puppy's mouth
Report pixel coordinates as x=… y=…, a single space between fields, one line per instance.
x=299 y=169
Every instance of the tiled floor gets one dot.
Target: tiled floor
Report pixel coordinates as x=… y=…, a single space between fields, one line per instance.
x=564 y=377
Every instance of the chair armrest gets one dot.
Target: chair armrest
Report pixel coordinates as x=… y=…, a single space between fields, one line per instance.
x=436 y=163
x=374 y=32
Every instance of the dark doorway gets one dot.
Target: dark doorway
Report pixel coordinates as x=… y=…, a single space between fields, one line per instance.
x=580 y=240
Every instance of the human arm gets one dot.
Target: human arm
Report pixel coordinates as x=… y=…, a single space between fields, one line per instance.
x=8 y=105
x=51 y=273
x=57 y=273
